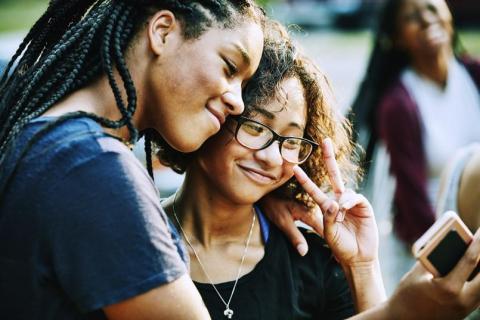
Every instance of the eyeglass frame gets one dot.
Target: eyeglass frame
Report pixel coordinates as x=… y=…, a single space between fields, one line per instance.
x=276 y=137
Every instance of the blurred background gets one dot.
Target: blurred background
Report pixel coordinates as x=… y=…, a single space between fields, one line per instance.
x=337 y=34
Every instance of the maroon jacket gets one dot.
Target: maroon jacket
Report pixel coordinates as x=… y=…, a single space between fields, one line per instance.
x=399 y=127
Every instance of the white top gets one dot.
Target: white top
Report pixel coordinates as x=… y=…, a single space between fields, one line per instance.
x=450 y=117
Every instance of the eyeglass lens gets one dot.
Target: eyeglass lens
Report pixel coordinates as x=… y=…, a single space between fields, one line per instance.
x=256 y=136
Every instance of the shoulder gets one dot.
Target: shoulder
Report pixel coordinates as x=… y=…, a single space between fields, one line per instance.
x=70 y=155
x=397 y=110
x=470 y=62
x=397 y=99
x=71 y=144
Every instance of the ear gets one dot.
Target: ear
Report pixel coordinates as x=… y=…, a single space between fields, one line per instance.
x=160 y=26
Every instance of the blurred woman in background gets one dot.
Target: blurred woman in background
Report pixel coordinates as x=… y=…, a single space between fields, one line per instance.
x=420 y=96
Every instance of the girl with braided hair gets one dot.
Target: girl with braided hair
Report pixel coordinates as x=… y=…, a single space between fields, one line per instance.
x=82 y=232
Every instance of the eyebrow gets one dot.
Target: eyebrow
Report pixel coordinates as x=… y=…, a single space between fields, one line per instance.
x=271 y=116
x=243 y=53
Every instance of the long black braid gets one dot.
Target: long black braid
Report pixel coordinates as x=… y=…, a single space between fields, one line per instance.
x=76 y=41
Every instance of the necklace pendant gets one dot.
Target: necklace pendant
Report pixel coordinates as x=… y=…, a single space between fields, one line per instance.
x=228 y=313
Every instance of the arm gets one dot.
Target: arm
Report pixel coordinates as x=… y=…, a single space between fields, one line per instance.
x=366 y=283
x=399 y=127
x=420 y=296
x=177 y=300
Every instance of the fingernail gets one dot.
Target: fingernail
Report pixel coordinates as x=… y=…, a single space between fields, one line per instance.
x=302 y=249
x=331 y=210
x=327 y=142
x=340 y=216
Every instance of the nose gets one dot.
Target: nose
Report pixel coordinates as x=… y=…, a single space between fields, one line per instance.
x=271 y=155
x=233 y=100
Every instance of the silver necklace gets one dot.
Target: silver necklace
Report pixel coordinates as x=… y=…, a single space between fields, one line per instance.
x=228 y=312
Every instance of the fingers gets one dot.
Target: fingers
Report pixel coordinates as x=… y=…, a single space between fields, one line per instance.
x=332 y=166
x=350 y=199
x=289 y=228
x=314 y=219
x=280 y=213
x=418 y=272
x=326 y=205
x=468 y=263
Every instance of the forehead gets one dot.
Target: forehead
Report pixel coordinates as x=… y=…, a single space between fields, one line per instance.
x=288 y=104
x=244 y=37
x=439 y=5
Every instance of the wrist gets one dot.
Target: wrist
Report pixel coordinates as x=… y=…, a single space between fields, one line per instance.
x=366 y=283
x=361 y=266
x=378 y=312
x=362 y=269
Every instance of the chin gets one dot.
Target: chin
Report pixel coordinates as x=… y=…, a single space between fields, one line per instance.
x=182 y=145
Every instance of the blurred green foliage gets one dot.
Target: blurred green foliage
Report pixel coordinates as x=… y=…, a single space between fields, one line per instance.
x=471 y=41
x=20 y=14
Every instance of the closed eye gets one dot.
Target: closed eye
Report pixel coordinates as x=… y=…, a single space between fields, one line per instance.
x=231 y=67
x=432 y=8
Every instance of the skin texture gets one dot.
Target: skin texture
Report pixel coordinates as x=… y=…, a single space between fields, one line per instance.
x=425 y=33
x=420 y=296
x=167 y=69
x=216 y=76
x=176 y=300
x=226 y=179
x=469 y=193
x=236 y=164
x=185 y=89
x=425 y=26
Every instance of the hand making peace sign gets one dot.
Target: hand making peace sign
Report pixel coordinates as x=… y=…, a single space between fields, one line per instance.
x=349 y=225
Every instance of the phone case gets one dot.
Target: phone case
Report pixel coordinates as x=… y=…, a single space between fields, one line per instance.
x=443 y=244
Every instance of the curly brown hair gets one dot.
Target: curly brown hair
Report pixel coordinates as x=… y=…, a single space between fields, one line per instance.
x=280 y=61
x=324 y=120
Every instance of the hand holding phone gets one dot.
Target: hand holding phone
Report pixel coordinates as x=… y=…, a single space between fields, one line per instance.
x=443 y=245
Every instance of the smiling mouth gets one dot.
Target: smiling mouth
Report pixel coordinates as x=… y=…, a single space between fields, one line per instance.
x=219 y=116
x=257 y=176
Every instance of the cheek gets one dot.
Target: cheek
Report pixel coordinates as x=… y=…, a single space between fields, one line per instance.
x=287 y=174
x=209 y=74
x=407 y=37
x=218 y=152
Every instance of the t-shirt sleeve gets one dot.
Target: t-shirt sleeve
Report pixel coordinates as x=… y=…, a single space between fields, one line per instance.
x=107 y=235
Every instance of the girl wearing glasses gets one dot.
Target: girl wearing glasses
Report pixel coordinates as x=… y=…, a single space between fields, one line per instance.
x=243 y=266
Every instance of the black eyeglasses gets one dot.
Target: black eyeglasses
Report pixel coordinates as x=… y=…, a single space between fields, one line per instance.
x=257 y=136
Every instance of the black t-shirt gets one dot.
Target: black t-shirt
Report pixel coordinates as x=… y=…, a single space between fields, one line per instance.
x=81 y=226
x=284 y=285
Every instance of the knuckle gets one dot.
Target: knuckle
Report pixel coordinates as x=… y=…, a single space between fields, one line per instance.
x=470 y=258
x=449 y=290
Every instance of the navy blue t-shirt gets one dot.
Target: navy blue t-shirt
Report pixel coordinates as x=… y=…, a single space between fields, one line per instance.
x=81 y=226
